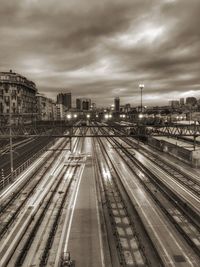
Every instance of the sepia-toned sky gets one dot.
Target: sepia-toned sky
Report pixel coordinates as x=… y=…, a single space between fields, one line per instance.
x=104 y=48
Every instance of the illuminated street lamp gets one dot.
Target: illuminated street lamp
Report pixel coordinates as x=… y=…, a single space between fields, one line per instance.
x=141 y=88
x=88 y=116
x=69 y=116
x=75 y=116
x=107 y=116
x=141 y=116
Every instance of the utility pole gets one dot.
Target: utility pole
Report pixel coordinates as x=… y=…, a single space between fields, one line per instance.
x=141 y=88
x=195 y=130
x=10 y=138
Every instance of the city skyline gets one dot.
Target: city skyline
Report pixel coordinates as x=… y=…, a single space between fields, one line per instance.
x=102 y=50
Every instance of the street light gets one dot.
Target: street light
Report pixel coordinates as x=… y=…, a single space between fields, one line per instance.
x=141 y=88
x=141 y=116
x=69 y=116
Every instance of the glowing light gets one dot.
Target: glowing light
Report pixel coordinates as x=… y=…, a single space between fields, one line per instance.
x=122 y=116
x=141 y=86
x=141 y=116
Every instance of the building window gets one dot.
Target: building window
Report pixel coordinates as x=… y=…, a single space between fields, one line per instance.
x=6 y=99
x=1 y=107
x=6 y=88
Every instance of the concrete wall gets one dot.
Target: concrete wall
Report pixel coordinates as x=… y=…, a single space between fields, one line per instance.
x=184 y=154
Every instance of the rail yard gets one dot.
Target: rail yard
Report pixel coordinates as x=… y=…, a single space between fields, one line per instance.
x=97 y=198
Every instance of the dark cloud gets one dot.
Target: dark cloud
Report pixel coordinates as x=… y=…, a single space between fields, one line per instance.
x=103 y=49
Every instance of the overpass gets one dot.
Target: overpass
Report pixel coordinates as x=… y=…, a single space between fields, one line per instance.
x=64 y=129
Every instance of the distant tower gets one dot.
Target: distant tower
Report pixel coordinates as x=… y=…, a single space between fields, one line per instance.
x=117 y=104
x=78 y=104
x=65 y=99
x=182 y=102
x=83 y=103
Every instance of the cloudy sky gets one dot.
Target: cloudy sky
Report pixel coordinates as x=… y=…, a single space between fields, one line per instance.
x=104 y=48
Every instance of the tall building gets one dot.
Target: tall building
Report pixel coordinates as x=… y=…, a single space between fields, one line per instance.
x=174 y=103
x=83 y=103
x=45 y=108
x=182 y=102
x=127 y=108
x=18 y=96
x=191 y=101
x=60 y=112
x=65 y=99
x=117 y=104
x=93 y=106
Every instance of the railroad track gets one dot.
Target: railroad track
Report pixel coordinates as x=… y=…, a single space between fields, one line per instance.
x=54 y=225
x=4 y=143
x=180 y=176
x=18 y=142
x=61 y=190
x=38 y=222
x=23 y=154
x=174 y=174
x=183 y=222
x=131 y=249
x=20 y=197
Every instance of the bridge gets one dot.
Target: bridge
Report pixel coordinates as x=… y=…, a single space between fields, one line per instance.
x=64 y=129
